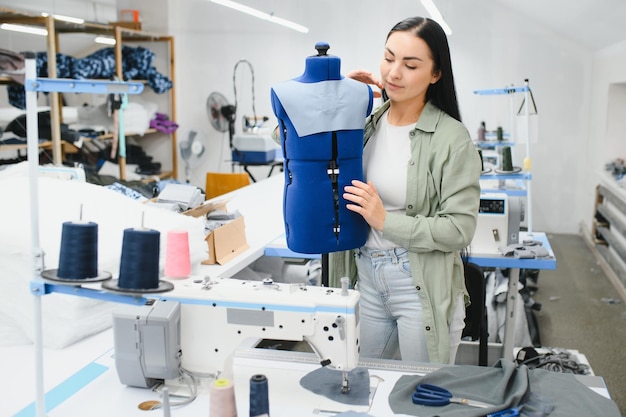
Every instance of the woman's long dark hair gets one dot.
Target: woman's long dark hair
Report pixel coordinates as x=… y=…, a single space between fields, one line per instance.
x=442 y=93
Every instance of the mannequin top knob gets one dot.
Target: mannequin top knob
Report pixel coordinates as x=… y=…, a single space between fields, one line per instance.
x=322 y=48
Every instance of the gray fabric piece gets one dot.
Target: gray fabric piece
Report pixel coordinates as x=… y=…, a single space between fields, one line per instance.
x=327 y=382
x=529 y=250
x=509 y=250
x=540 y=251
x=524 y=254
x=503 y=385
x=506 y=386
x=569 y=396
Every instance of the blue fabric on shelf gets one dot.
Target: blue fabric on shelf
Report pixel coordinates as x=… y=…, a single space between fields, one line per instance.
x=137 y=63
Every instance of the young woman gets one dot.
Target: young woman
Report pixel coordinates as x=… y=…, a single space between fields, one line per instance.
x=420 y=200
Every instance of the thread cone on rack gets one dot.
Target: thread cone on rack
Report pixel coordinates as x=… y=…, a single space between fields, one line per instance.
x=222 y=399
x=139 y=265
x=507 y=161
x=78 y=257
x=177 y=258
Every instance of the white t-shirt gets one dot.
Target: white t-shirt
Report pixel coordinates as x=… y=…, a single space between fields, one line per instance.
x=385 y=161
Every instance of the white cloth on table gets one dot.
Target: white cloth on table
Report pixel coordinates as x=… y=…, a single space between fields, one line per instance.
x=67 y=319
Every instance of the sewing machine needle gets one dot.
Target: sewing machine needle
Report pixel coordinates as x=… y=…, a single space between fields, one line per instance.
x=345 y=388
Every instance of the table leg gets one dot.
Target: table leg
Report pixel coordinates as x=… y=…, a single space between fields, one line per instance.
x=510 y=319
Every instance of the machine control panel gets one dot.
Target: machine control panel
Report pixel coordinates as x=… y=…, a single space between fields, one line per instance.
x=492 y=206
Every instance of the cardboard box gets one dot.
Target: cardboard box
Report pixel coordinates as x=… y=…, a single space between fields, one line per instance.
x=226 y=242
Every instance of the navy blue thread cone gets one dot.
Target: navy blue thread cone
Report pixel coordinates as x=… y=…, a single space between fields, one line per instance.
x=139 y=265
x=259 y=401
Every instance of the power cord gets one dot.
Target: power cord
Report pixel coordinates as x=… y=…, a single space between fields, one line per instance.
x=244 y=61
x=192 y=386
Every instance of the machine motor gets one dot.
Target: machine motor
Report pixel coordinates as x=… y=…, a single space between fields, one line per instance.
x=147 y=342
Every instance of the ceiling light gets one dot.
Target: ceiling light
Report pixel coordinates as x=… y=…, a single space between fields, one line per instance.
x=104 y=40
x=24 y=29
x=261 y=15
x=435 y=14
x=66 y=18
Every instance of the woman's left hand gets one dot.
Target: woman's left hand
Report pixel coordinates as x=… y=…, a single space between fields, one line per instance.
x=367 y=203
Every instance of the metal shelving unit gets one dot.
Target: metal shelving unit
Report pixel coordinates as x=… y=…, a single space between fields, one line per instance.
x=32 y=85
x=525 y=175
x=121 y=35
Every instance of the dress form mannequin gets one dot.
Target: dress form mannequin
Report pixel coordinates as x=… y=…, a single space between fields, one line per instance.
x=321 y=116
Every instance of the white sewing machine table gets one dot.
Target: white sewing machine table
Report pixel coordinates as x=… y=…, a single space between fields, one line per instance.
x=82 y=380
x=95 y=387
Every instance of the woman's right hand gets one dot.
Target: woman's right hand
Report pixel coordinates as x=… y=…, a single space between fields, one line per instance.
x=367 y=78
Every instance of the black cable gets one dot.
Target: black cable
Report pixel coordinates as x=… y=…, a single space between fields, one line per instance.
x=235 y=86
x=557 y=362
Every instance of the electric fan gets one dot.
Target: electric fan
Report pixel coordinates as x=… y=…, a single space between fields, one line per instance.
x=191 y=151
x=221 y=114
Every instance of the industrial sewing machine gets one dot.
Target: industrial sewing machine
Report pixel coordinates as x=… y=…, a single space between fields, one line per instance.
x=499 y=217
x=217 y=316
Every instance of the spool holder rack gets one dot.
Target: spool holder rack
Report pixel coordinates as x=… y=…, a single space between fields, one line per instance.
x=524 y=176
x=33 y=85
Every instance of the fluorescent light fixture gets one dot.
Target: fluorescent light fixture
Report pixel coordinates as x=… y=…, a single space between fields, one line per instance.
x=24 y=29
x=104 y=40
x=66 y=18
x=435 y=14
x=261 y=15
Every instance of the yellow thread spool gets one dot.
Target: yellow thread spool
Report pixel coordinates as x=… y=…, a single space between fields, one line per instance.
x=527 y=164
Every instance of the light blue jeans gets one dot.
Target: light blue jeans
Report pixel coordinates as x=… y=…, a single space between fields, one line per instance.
x=392 y=324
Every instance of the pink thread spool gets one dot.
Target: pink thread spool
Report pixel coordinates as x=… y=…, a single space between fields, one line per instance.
x=222 y=399
x=177 y=259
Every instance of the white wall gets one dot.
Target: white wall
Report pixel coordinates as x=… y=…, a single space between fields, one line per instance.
x=607 y=122
x=492 y=47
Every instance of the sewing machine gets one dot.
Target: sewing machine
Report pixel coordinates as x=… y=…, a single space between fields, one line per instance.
x=209 y=319
x=225 y=312
x=499 y=217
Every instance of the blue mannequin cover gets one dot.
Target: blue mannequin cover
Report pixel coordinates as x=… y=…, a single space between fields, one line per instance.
x=321 y=116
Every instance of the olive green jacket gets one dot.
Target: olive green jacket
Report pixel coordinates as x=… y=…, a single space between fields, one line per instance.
x=442 y=199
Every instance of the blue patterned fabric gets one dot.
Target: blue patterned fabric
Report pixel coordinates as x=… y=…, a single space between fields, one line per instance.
x=137 y=63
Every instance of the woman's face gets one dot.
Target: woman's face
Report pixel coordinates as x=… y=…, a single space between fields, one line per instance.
x=407 y=68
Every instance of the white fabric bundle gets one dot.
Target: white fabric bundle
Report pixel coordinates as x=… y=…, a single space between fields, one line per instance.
x=67 y=319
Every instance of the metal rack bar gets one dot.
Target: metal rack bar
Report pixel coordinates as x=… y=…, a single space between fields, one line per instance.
x=505 y=90
x=32 y=85
x=62 y=85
